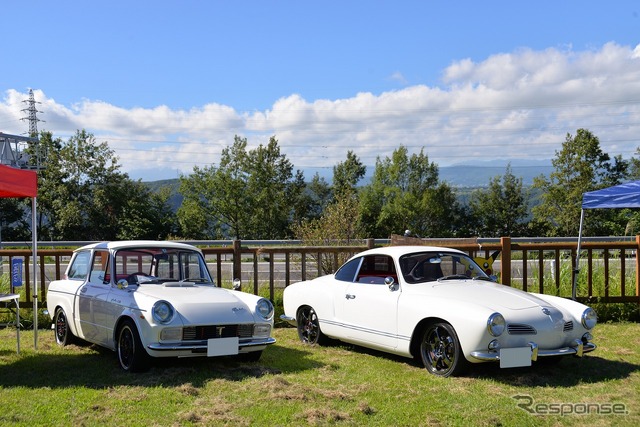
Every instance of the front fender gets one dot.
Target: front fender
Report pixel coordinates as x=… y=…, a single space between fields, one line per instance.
x=469 y=320
x=316 y=293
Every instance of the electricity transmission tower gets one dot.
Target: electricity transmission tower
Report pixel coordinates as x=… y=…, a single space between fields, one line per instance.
x=31 y=115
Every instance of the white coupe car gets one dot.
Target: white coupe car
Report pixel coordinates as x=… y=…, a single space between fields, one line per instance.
x=147 y=298
x=438 y=306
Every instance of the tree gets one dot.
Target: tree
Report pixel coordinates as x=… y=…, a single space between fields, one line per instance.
x=347 y=174
x=145 y=214
x=14 y=225
x=215 y=198
x=501 y=209
x=272 y=190
x=82 y=195
x=579 y=166
x=336 y=226
x=251 y=194
x=405 y=194
x=319 y=196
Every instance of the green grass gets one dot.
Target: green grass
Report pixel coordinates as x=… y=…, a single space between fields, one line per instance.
x=294 y=384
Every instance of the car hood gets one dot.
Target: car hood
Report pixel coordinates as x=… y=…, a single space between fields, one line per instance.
x=493 y=295
x=201 y=304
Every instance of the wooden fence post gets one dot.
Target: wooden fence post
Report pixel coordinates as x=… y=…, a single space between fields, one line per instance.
x=505 y=242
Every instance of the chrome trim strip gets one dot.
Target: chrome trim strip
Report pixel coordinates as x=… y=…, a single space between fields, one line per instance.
x=366 y=330
x=579 y=350
x=203 y=346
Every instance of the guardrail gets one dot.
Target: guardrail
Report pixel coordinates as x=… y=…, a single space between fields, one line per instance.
x=535 y=265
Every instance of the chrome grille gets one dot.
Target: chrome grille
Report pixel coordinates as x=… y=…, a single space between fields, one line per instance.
x=568 y=326
x=520 y=329
x=206 y=332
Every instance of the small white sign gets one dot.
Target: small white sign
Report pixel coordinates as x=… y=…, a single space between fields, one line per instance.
x=222 y=346
x=515 y=357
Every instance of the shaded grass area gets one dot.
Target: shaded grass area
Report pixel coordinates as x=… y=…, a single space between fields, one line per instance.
x=294 y=384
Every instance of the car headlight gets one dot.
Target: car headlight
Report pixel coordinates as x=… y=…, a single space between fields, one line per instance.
x=589 y=318
x=264 y=308
x=496 y=324
x=162 y=312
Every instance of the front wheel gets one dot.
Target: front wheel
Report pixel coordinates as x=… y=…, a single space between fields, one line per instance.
x=440 y=350
x=131 y=354
x=309 y=327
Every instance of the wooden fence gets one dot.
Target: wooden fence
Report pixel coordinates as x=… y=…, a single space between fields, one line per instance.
x=607 y=268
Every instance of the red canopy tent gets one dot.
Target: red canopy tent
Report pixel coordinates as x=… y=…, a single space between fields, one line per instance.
x=24 y=183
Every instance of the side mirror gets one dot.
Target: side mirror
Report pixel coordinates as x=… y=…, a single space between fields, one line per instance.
x=237 y=285
x=122 y=284
x=390 y=282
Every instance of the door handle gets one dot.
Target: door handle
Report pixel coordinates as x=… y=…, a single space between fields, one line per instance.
x=349 y=296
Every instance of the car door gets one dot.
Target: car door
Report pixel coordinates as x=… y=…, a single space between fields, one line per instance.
x=368 y=309
x=92 y=307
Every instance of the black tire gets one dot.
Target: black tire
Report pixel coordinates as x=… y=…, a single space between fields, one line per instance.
x=441 y=352
x=309 y=327
x=64 y=336
x=131 y=354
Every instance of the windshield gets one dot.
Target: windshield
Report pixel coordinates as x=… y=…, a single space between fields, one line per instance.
x=423 y=267
x=159 y=265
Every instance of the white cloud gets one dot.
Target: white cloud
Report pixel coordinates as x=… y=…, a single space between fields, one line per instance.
x=511 y=105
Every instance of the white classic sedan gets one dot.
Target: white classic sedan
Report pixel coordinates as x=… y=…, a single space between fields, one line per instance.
x=438 y=306
x=148 y=298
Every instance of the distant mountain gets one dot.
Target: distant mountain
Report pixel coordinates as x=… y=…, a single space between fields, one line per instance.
x=479 y=174
x=175 y=200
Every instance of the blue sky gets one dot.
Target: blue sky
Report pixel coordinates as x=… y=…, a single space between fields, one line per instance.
x=168 y=84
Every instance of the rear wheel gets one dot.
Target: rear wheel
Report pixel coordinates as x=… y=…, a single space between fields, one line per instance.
x=309 y=327
x=440 y=350
x=64 y=335
x=131 y=354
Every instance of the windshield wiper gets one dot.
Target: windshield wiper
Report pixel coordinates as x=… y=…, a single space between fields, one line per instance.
x=485 y=278
x=197 y=279
x=454 y=276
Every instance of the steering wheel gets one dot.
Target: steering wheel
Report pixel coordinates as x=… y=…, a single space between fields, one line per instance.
x=416 y=271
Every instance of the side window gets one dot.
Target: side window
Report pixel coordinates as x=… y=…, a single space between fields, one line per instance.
x=375 y=268
x=100 y=268
x=79 y=267
x=347 y=273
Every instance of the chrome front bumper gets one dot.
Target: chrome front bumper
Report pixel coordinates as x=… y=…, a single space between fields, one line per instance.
x=578 y=349
x=202 y=345
x=290 y=320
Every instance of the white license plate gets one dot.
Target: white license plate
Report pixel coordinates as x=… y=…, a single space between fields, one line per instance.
x=515 y=357
x=222 y=346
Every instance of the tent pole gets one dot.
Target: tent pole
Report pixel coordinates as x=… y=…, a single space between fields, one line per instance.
x=576 y=269
x=34 y=243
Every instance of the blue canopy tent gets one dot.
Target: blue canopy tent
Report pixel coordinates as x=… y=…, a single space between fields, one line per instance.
x=616 y=197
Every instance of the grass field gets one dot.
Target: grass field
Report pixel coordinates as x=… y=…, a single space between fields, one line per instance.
x=297 y=385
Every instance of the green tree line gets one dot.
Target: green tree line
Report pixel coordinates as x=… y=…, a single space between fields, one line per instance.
x=257 y=194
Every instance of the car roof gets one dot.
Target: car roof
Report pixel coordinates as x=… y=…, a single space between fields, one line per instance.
x=115 y=245
x=398 y=251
